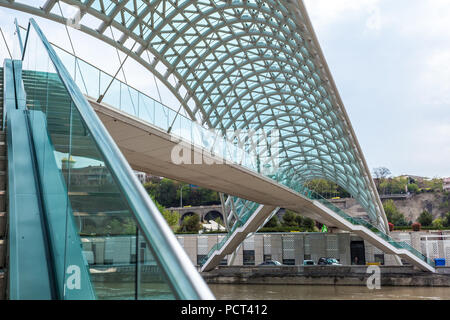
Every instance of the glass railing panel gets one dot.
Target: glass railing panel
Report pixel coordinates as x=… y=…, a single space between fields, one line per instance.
x=146 y=109
x=151 y=283
x=88 y=79
x=113 y=96
x=44 y=92
x=161 y=116
x=129 y=99
x=92 y=198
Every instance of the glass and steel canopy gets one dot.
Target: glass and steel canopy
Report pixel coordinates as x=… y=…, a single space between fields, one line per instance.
x=238 y=64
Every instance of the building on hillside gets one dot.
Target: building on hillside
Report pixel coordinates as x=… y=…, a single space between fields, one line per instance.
x=446 y=184
x=143 y=177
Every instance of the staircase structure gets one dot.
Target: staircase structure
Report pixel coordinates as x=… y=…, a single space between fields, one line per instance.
x=3 y=192
x=62 y=165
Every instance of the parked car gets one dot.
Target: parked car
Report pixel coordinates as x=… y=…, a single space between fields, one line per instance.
x=271 y=263
x=328 y=261
x=308 y=263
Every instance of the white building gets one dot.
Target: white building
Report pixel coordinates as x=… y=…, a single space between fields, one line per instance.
x=446 y=184
x=142 y=176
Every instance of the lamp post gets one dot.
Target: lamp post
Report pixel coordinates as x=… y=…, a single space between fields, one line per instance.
x=181 y=196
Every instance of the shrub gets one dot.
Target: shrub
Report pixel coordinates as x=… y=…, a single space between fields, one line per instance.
x=289 y=219
x=438 y=223
x=416 y=226
x=190 y=224
x=272 y=223
x=446 y=220
x=281 y=229
x=413 y=188
x=393 y=214
x=425 y=218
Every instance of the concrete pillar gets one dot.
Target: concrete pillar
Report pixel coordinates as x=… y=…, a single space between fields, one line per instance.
x=332 y=245
x=99 y=251
x=190 y=246
x=277 y=253
x=390 y=260
x=344 y=248
x=318 y=246
x=415 y=240
x=299 y=249
x=307 y=247
x=212 y=241
x=238 y=260
x=369 y=251
x=441 y=248
x=259 y=249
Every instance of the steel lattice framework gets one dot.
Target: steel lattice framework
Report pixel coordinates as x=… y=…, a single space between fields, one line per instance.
x=241 y=64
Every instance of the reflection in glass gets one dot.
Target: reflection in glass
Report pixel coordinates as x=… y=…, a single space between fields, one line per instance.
x=92 y=225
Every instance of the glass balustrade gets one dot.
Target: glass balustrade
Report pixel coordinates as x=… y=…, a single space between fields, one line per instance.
x=100 y=226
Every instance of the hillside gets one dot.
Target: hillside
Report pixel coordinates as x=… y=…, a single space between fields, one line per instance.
x=411 y=208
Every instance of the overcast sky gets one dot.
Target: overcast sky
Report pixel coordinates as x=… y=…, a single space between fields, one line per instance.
x=390 y=60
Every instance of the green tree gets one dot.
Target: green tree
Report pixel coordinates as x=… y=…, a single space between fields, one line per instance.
x=326 y=189
x=172 y=217
x=309 y=225
x=380 y=174
x=413 y=188
x=294 y=219
x=164 y=191
x=299 y=220
x=168 y=193
x=425 y=218
x=272 y=223
x=446 y=220
x=438 y=224
x=393 y=214
x=434 y=184
x=289 y=219
x=190 y=224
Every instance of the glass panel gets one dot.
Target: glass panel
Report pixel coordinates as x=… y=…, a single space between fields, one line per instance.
x=92 y=229
x=113 y=95
x=151 y=283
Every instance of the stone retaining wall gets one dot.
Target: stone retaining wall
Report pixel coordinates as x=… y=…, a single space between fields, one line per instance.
x=327 y=275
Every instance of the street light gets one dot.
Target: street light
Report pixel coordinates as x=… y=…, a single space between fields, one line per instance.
x=181 y=196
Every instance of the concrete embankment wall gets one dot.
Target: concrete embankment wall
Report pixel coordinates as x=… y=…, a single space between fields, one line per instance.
x=327 y=275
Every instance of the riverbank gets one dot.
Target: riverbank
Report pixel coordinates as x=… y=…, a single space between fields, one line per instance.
x=326 y=275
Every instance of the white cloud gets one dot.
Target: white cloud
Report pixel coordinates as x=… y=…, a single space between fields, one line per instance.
x=374 y=21
x=424 y=18
x=433 y=81
x=326 y=13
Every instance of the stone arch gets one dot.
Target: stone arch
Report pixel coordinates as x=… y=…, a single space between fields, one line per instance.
x=213 y=215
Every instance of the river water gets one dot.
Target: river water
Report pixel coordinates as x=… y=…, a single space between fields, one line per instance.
x=308 y=292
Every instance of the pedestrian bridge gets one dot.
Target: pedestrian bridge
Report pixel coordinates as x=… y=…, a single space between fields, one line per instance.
x=263 y=117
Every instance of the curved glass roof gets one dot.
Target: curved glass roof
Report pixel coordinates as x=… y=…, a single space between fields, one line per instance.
x=238 y=64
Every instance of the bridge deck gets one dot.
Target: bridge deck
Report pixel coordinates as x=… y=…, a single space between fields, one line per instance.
x=147 y=148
